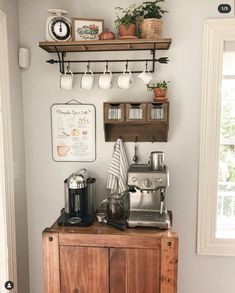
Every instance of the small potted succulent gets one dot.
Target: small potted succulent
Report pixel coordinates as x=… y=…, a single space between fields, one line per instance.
x=159 y=89
x=126 y=23
x=150 y=12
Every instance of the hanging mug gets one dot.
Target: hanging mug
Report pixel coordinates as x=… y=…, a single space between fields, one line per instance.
x=125 y=80
x=145 y=76
x=105 y=80
x=66 y=80
x=87 y=80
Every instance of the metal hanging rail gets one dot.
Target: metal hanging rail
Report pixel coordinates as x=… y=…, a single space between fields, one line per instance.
x=61 y=49
x=62 y=62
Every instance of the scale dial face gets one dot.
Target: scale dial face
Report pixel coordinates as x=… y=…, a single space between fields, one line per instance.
x=60 y=29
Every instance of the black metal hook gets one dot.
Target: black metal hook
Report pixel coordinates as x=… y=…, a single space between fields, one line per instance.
x=88 y=65
x=136 y=139
x=126 y=65
x=146 y=65
x=68 y=66
x=107 y=65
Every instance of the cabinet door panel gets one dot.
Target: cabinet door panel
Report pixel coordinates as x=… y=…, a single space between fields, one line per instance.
x=84 y=270
x=134 y=271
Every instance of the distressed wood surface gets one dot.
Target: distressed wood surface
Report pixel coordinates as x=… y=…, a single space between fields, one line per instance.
x=134 y=270
x=84 y=269
x=132 y=261
x=51 y=262
x=169 y=265
x=113 y=45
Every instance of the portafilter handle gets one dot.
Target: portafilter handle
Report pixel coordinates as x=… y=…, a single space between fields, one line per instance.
x=101 y=217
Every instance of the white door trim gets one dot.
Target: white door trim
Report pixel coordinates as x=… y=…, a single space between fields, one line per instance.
x=216 y=33
x=7 y=208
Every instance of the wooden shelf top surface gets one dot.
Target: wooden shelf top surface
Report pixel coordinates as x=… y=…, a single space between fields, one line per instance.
x=113 y=45
x=96 y=229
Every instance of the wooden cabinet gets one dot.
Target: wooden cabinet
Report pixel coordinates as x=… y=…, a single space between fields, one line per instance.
x=136 y=121
x=101 y=259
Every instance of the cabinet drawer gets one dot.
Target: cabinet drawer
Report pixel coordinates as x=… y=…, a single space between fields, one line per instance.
x=114 y=113
x=135 y=112
x=157 y=112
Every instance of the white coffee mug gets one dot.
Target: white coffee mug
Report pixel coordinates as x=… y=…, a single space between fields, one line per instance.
x=125 y=80
x=66 y=80
x=87 y=80
x=105 y=80
x=145 y=76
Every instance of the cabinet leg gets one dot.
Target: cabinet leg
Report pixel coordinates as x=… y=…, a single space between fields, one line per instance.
x=169 y=260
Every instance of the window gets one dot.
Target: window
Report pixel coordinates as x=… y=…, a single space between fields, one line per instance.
x=216 y=191
x=225 y=224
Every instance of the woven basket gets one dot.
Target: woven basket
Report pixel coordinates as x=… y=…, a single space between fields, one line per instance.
x=151 y=28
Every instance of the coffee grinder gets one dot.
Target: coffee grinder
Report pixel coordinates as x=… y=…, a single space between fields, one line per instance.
x=79 y=190
x=148 y=184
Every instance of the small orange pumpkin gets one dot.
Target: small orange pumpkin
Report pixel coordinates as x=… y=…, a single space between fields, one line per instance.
x=107 y=35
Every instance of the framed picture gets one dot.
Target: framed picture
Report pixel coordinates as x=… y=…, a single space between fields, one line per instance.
x=73 y=132
x=85 y=29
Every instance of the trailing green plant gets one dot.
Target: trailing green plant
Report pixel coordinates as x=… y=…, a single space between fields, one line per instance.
x=128 y=16
x=150 y=9
x=163 y=85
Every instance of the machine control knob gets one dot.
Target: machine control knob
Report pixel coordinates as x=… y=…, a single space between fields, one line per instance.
x=147 y=182
x=134 y=179
x=160 y=180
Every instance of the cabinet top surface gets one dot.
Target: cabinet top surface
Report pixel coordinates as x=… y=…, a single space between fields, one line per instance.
x=113 y=45
x=107 y=230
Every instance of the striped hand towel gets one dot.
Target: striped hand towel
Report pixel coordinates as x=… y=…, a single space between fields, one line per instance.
x=117 y=172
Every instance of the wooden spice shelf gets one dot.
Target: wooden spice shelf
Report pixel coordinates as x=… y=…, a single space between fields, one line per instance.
x=144 y=121
x=114 y=45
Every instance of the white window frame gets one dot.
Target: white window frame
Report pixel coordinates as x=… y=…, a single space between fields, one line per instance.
x=8 y=265
x=216 y=33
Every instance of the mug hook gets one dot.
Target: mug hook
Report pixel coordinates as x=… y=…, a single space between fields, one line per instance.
x=107 y=66
x=146 y=65
x=88 y=65
x=126 y=65
x=68 y=66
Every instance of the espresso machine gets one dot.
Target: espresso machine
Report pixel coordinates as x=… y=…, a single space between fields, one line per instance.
x=147 y=188
x=79 y=190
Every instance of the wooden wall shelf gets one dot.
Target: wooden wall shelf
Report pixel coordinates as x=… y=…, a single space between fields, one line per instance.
x=63 y=48
x=114 y=45
x=136 y=121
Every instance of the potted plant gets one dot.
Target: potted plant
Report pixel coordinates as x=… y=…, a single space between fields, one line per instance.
x=126 y=23
x=159 y=89
x=151 y=13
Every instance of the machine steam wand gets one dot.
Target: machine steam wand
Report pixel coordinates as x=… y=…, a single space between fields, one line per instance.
x=162 y=197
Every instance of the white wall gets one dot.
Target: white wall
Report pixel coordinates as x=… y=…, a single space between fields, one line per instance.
x=10 y=8
x=197 y=274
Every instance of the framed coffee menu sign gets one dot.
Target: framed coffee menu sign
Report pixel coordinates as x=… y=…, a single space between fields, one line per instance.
x=73 y=132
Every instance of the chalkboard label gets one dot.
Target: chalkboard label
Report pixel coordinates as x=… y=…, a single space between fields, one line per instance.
x=224 y=8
